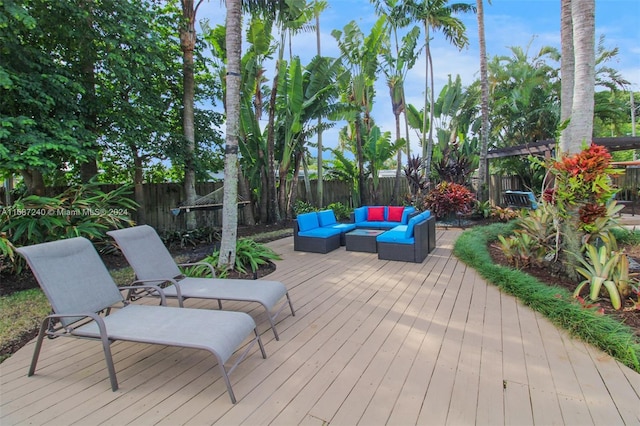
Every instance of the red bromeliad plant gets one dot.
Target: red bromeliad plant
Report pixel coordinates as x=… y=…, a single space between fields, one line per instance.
x=582 y=185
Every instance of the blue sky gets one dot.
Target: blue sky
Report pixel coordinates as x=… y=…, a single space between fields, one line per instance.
x=533 y=23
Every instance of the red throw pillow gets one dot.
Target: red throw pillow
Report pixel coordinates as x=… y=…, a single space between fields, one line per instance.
x=395 y=213
x=375 y=214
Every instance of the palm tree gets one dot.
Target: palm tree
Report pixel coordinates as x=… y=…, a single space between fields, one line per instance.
x=230 y=197
x=318 y=6
x=187 y=44
x=483 y=169
x=396 y=62
x=436 y=15
x=291 y=16
x=360 y=55
x=567 y=69
x=582 y=101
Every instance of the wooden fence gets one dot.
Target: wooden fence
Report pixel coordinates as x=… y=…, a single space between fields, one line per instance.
x=162 y=199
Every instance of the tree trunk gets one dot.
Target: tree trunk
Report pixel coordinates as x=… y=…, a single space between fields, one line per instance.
x=583 y=18
x=395 y=197
x=89 y=169
x=243 y=190
x=138 y=190
x=187 y=44
x=362 y=187
x=567 y=70
x=293 y=190
x=273 y=211
x=33 y=181
x=320 y=182
x=230 y=198
x=483 y=173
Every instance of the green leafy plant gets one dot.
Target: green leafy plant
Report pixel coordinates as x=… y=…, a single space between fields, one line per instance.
x=7 y=254
x=250 y=255
x=483 y=208
x=504 y=214
x=541 y=225
x=598 y=267
x=191 y=238
x=302 y=207
x=449 y=198
x=520 y=249
x=83 y=210
x=341 y=211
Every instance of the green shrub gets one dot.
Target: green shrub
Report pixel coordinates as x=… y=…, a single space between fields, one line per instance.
x=249 y=256
x=303 y=207
x=341 y=211
x=80 y=211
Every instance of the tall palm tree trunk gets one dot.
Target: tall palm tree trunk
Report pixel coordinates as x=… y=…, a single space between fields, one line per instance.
x=483 y=183
x=567 y=70
x=583 y=18
x=230 y=195
x=187 y=44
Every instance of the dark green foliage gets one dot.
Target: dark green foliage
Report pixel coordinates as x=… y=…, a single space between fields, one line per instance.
x=80 y=211
x=555 y=303
x=250 y=255
x=303 y=207
x=191 y=238
x=341 y=211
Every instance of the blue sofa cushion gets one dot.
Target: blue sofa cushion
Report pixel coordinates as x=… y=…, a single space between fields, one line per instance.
x=327 y=218
x=373 y=224
x=320 y=232
x=405 y=214
x=395 y=235
x=344 y=227
x=415 y=220
x=308 y=221
x=360 y=214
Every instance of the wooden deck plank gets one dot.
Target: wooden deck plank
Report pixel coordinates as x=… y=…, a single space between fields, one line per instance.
x=544 y=401
x=490 y=409
x=372 y=342
x=464 y=397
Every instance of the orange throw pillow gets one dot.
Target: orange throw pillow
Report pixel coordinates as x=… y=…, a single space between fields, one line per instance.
x=395 y=213
x=375 y=214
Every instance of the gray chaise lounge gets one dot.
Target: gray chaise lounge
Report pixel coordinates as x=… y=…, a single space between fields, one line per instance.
x=152 y=263
x=88 y=304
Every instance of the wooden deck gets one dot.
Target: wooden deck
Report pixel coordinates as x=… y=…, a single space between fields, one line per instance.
x=373 y=342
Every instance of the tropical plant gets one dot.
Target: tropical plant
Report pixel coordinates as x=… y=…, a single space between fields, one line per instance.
x=341 y=211
x=418 y=183
x=521 y=250
x=250 y=255
x=397 y=60
x=360 y=54
x=504 y=214
x=436 y=15
x=449 y=198
x=82 y=210
x=597 y=268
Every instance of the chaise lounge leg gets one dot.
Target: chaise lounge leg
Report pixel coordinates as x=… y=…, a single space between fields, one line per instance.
x=36 y=351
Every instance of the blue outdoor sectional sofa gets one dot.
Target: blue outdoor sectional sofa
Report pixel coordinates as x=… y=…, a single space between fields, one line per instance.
x=409 y=235
x=319 y=232
x=411 y=242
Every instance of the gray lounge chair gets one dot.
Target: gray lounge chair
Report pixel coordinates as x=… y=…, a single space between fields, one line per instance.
x=152 y=263
x=87 y=304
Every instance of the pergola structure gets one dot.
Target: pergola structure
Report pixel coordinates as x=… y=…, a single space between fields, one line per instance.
x=546 y=147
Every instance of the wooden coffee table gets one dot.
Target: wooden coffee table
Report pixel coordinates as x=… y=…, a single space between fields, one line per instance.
x=362 y=240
